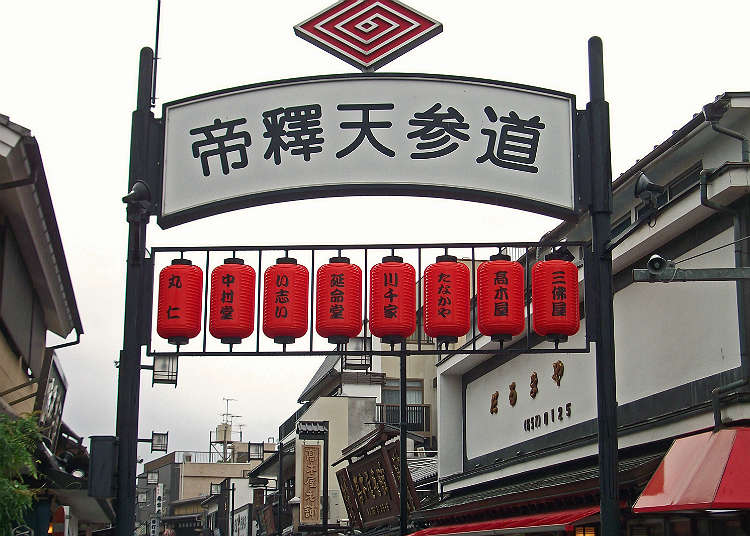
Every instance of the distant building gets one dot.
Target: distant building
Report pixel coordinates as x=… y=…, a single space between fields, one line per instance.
x=171 y=488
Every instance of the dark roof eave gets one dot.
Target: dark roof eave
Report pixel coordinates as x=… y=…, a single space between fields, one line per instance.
x=48 y=211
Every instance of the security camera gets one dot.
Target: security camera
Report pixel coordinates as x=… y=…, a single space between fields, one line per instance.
x=657 y=264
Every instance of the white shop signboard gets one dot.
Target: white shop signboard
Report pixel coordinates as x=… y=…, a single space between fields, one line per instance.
x=537 y=394
x=424 y=135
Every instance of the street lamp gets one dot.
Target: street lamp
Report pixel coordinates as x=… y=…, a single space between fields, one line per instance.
x=158 y=441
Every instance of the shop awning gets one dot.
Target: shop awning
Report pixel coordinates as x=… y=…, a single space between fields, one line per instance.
x=550 y=521
x=707 y=471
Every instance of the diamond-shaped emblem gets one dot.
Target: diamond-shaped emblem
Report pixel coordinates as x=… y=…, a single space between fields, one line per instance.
x=368 y=33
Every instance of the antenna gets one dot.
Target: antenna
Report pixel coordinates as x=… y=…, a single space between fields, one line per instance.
x=156 y=53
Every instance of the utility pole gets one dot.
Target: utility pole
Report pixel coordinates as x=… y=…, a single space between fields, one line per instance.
x=601 y=213
x=139 y=208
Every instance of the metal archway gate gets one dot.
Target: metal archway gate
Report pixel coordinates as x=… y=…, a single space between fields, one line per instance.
x=526 y=148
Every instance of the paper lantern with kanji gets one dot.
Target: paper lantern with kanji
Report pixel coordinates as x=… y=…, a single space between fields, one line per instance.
x=338 y=300
x=178 y=316
x=232 y=301
x=285 y=300
x=554 y=296
x=446 y=299
x=500 y=298
x=393 y=301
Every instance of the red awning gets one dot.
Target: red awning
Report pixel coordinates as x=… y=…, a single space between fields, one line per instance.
x=701 y=472
x=551 y=521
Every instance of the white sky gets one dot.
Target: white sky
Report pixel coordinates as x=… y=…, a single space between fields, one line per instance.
x=69 y=74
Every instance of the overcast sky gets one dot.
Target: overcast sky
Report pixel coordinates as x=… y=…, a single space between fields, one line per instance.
x=69 y=74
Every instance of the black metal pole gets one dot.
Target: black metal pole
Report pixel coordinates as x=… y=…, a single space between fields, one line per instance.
x=280 y=483
x=128 y=387
x=404 y=517
x=601 y=212
x=325 y=480
x=231 y=516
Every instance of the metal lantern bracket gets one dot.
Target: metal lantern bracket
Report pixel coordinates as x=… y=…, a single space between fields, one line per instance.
x=258 y=256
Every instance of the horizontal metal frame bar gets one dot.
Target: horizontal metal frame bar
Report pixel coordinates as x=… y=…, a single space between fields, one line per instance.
x=527 y=258
x=302 y=353
x=680 y=275
x=348 y=247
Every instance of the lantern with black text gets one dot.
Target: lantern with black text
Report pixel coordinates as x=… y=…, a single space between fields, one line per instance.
x=500 y=293
x=232 y=301
x=446 y=299
x=285 y=300
x=178 y=316
x=393 y=300
x=554 y=296
x=338 y=300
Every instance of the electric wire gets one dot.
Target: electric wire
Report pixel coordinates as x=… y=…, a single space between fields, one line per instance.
x=714 y=249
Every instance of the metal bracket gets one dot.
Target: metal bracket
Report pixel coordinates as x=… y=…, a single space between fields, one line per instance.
x=641 y=275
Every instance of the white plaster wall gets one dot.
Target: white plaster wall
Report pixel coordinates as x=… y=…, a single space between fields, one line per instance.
x=662 y=341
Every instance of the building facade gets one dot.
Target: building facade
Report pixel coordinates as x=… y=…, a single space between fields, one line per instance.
x=681 y=352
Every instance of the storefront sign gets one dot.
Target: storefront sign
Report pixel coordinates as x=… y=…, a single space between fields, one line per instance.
x=423 y=135
x=375 y=489
x=309 y=512
x=241 y=521
x=347 y=492
x=371 y=488
x=526 y=398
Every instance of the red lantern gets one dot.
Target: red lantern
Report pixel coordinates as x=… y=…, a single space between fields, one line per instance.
x=446 y=299
x=178 y=317
x=285 y=301
x=500 y=298
x=554 y=295
x=393 y=302
x=338 y=300
x=232 y=301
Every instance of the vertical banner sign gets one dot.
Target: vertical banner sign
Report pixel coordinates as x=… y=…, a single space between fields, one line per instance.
x=309 y=513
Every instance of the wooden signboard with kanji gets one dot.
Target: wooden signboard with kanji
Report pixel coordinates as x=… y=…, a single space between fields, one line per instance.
x=309 y=512
x=347 y=492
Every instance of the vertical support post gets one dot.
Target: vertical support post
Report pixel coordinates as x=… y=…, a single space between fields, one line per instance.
x=404 y=517
x=280 y=484
x=231 y=515
x=128 y=386
x=325 y=481
x=742 y=260
x=601 y=212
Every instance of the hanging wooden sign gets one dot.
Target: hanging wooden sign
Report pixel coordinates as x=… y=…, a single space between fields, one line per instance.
x=309 y=512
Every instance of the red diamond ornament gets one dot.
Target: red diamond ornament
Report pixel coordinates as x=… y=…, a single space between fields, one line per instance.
x=368 y=33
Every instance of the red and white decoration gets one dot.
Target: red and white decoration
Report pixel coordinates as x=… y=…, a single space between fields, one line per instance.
x=180 y=302
x=368 y=33
x=500 y=298
x=338 y=300
x=446 y=299
x=232 y=301
x=285 y=300
x=393 y=300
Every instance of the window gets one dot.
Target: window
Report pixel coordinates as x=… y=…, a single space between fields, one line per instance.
x=255 y=451
x=620 y=226
x=585 y=531
x=392 y=395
